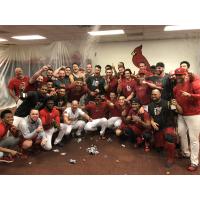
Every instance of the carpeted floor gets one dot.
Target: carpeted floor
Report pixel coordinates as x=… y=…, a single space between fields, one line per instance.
x=113 y=159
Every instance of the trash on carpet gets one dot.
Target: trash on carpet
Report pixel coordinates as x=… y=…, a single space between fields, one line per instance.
x=63 y=154
x=109 y=140
x=79 y=140
x=92 y=150
x=72 y=161
x=56 y=150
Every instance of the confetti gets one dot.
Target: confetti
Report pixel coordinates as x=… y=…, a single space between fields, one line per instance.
x=56 y=150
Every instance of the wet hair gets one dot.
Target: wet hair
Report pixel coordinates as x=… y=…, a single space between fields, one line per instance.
x=121 y=64
x=50 y=69
x=42 y=85
x=98 y=66
x=185 y=62
x=62 y=69
x=128 y=70
x=160 y=64
x=50 y=98
x=108 y=67
x=3 y=113
x=152 y=67
x=75 y=64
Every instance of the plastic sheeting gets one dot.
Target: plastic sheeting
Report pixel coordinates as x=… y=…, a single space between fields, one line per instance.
x=31 y=58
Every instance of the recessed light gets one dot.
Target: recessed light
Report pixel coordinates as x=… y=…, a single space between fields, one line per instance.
x=108 y=32
x=29 y=37
x=3 y=40
x=181 y=27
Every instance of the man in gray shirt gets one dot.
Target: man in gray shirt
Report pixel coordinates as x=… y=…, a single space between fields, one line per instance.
x=32 y=130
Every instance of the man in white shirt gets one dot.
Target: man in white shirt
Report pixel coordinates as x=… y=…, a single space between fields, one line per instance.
x=71 y=118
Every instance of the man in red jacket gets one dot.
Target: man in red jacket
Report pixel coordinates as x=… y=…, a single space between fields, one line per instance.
x=187 y=95
x=50 y=118
x=97 y=111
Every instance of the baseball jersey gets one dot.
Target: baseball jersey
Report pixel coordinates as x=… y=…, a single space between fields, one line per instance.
x=112 y=86
x=97 y=111
x=143 y=93
x=190 y=105
x=127 y=87
x=73 y=116
x=49 y=117
x=137 y=127
x=3 y=130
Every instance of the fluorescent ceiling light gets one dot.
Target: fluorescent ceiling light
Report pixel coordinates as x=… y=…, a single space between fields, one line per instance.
x=108 y=32
x=181 y=27
x=29 y=37
x=3 y=40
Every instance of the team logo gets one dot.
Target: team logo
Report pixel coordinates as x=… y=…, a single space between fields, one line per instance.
x=128 y=88
x=157 y=110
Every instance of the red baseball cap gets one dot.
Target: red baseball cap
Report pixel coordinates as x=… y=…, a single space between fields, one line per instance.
x=180 y=71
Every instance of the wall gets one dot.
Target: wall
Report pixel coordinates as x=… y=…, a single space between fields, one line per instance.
x=170 y=51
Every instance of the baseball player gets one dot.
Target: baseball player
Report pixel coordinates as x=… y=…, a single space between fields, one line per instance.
x=187 y=95
x=97 y=111
x=72 y=120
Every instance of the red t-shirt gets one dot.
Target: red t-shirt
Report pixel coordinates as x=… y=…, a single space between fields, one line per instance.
x=112 y=86
x=143 y=93
x=31 y=87
x=74 y=94
x=97 y=111
x=137 y=127
x=127 y=87
x=3 y=130
x=190 y=105
x=48 y=118
x=15 y=83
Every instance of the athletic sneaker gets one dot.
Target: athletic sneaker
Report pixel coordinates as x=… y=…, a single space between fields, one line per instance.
x=7 y=159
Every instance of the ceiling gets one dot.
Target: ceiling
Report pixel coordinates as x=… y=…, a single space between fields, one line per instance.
x=79 y=32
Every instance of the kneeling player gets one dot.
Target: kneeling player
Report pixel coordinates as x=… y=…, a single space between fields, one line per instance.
x=32 y=130
x=139 y=124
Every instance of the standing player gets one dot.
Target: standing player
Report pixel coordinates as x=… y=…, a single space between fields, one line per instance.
x=95 y=84
x=126 y=87
x=111 y=82
x=17 y=83
x=187 y=95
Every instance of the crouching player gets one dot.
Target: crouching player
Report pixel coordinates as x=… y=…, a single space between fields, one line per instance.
x=139 y=124
x=32 y=130
x=72 y=120
x=163 y=123
x=50 y=118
